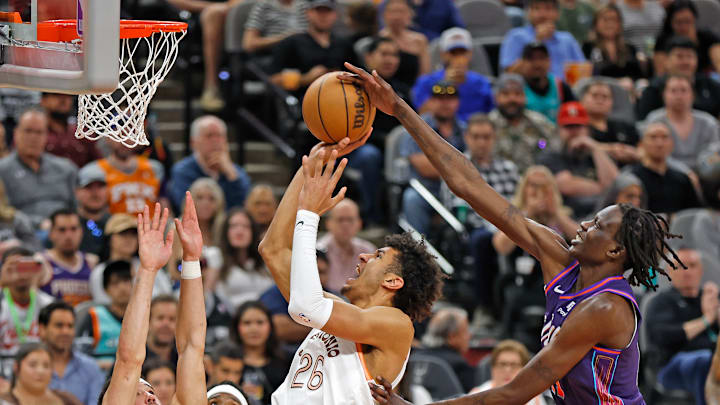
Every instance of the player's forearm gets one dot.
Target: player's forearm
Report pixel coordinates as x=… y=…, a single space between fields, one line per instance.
x=191 y=323
x=136 y=320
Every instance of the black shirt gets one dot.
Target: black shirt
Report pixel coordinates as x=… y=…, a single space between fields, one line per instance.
x=603 y=66
x=270 y=376
x=567 y=93
x=666 y=193
x=94 y=240
x=385 y=123
x=665 y=317
x=578 y=164
x=707 y=96
x=706 y=39
x=617 y=132
x=409 y=69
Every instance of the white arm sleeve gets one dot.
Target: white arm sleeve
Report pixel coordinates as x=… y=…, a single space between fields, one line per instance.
x=308 y=306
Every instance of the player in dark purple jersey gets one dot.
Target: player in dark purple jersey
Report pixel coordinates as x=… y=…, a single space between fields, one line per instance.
x=590 y=352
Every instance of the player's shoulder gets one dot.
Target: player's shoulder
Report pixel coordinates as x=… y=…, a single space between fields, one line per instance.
x=605 y=308
x=390 y=315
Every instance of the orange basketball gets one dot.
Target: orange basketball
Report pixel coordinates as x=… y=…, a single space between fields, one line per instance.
x=333 y=109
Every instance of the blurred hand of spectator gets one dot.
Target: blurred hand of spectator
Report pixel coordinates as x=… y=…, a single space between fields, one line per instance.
x=709 y=302
x=544 y=31
x=308 y=77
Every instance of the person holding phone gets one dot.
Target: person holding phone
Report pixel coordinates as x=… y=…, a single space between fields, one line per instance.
x=20 y=304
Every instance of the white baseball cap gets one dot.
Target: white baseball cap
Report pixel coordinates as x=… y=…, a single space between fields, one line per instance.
x=454 y=38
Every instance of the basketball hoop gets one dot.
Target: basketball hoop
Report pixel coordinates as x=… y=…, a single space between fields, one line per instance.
x=148 y=50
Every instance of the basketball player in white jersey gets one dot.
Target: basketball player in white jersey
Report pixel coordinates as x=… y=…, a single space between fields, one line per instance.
x=125 y=386
x=349 y=343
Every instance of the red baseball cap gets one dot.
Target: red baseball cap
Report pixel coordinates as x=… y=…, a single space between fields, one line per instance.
x=572 y=113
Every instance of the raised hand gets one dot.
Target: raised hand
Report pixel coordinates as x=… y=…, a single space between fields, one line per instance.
x=316 y=194
x=381 y=93
x=154 y=248
x=344 y=147
x=189 y=231
x=384 y=395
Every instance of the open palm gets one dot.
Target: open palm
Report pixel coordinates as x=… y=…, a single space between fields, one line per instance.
x=189 y=231
x=154 y=247
x=380 y=92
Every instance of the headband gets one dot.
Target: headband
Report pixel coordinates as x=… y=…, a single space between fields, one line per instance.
x=227 y=389
x=145 y=382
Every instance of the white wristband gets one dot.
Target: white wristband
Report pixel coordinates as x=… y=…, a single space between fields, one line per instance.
x=190 y=270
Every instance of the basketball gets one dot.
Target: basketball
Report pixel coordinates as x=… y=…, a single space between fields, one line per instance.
x=333 y=109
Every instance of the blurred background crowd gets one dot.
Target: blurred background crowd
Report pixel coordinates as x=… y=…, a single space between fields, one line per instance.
x=564 y=106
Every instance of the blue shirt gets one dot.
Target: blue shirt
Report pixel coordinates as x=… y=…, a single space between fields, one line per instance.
x=83 y=378
x=186 y=171
x=562 y=46
x=432 y=17
x=475 y=93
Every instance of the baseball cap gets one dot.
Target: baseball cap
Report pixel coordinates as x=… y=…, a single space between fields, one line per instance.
x=322 y=3
x=572 y=113
x=119 y=223
x=90 y=174
x=532 y=47
x=444 y=88
x=455 y=38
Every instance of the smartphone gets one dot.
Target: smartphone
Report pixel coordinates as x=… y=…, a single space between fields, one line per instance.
x=28 y=266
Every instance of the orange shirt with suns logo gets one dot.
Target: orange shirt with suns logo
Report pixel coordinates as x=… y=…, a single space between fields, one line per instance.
x=128 y=193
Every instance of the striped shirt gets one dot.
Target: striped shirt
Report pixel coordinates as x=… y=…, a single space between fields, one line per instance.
x=641 y=26
x=271 y=17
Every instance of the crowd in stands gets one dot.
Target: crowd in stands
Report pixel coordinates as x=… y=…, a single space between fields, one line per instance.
x=586 y=104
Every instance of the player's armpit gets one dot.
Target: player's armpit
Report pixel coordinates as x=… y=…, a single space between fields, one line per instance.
x=383 y=327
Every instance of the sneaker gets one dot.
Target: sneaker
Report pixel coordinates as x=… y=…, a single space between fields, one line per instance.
x=211 y=100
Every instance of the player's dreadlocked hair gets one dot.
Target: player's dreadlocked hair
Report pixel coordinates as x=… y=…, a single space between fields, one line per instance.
x=644 y=234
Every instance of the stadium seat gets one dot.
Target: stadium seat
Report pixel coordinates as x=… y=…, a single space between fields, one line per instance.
x=435 y=375
x=484 y=18
x=396 y=171
x=235 y=25
x=480 y=61
x=708 y=15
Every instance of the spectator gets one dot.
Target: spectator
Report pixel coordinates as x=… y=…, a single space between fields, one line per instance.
x=161 y=329
x=448 y=338
x=15 y=227
x=681 y=60
x=218 y=316
x=362 y=19
x=122 y=238
x=443 y=118
x=383 y=55
x=474 y=89
x=61 y=134
x=132 y=181
x=315 y=51
x=342 y=245
x=92 y=207
x=40 y=182
x=212 y=22
x=576 y=17
x=210 y=206
x=544 y=92
x=642 y=21
x=543 y=16
x=69 y=278
x=681 y=20
x=414 y=54
x=73 y=371
x=161 y=376
x=261 y=205
x=226 y=363
x=521 y=133
x=33 y=377
x=502 y=175
x=682 y=324
x=607 y=49
x=508 y=357
x=287 y=330
x=101 y=325
x=22 y=303
x=618 y=138
x=13 y=104
x=243 y=276
x=583 y=169
x=659 y=179
x=692 y=130
x=626 y=189
x=270 y=22
x=432 y=17
x=210 y=158
x=265 y=365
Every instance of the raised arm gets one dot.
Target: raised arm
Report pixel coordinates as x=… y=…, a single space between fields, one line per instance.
x=154 y=250
x=463 y=178
x=191 y=323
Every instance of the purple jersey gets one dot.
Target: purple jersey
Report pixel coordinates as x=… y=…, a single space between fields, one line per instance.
x=604 y=376
x=70 y=286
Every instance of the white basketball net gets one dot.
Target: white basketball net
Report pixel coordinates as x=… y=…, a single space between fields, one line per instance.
x=120 y=115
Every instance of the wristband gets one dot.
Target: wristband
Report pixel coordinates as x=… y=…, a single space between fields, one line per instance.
x=190 y=270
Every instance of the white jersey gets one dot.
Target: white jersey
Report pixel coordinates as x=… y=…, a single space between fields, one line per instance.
x=327 y=370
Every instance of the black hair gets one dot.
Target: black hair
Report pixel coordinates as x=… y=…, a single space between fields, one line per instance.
x=62 y=212
x=25 y=350
x=422 y=275
x=226 y=349
x=553 y=2
x=672 y=9
x=117 y=268
x=47 y=311
x=230 y=253
x=643 y=234
x=363 y=17
x=155 y=363
x=272 y=345
x=376 y=42
x=321 y=255
x=680 y=77
x=232 y=384
x=162 y=299
x=17 y=251
x=681 y=42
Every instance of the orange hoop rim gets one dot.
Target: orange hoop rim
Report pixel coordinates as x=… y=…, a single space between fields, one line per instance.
x=66 y=30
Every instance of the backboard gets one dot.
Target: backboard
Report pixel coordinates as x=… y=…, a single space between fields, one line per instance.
x=31 y=58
